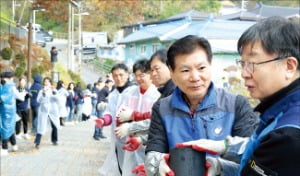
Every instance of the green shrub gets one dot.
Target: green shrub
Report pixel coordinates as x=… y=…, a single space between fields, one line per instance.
x=19 y=72
x=76 y=78
x=6 y=53
x=22 y=64
x=38 y=70
x=20 y=56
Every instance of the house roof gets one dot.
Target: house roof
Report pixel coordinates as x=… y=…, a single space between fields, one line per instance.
x=191 y=14
x=210 y=29
x=152 y=31
x=263 y=11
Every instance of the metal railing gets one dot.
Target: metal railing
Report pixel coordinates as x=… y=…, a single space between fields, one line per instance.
x=9 y=27
x=60 y=35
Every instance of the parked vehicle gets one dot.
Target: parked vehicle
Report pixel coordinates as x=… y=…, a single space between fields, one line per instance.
x=39 y=39
x=38 y=28
x=48 y=37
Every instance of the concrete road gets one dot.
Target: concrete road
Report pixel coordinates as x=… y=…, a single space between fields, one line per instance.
x=77 y=154
x=88 y=74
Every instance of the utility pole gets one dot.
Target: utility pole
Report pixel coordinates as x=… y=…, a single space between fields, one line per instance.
x=76 y=5
x=29 y=48
x=13 y=9
x=69 y=37
x=79 y=39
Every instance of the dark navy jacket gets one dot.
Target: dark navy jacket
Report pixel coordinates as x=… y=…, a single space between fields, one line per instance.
x=71 y=100
x=102 y=94
x=34 y=89
x=79 y=97
x=274 y=149
x=167 y=89
x=22 y=105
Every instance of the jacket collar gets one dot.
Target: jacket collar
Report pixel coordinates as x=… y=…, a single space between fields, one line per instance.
x=178 y=101
x=279 y=101
x=167 y=89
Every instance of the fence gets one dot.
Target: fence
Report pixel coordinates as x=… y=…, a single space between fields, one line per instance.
x=9 y=27
x=60 y=35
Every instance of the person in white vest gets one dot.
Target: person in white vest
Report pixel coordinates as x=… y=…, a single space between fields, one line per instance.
x=63 y=94
x=134 y=116
x=48 y=112
x=113 y=163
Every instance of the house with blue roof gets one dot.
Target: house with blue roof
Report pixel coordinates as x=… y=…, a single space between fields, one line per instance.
x=222 y=35
x=142 y=40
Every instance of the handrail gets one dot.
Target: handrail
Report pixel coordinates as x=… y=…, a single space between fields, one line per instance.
x=6 y=20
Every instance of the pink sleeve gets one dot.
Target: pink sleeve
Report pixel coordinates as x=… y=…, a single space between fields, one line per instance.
x=107 y=119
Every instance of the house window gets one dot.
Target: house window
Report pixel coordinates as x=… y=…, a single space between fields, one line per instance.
x=143 y=49
x=131 y=48
x=154 y=48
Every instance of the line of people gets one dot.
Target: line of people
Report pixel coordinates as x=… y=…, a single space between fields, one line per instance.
x=50 y=106
x=189 y=111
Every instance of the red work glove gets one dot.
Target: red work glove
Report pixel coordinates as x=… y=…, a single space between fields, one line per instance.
x=206 y=145
x=139 y=170
x=85 y=95
x=138 y=116
x=132 y=144
x=105 y=120
x=118 y=122
x=207 y=166
x=99 y=123
x=213 y=166
x=126 y=114
x=122 y=130
x=164 y=168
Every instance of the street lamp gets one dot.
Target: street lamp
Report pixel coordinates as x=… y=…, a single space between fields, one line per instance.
x=72 y=5
x=80 y=14
x=34 y=25
x=76 y=4
x=30 y=43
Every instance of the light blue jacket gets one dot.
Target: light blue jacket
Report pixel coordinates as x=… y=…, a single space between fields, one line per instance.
x=7 y=109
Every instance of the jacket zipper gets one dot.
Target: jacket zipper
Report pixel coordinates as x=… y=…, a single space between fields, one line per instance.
x=193 y=120
x=205 y=128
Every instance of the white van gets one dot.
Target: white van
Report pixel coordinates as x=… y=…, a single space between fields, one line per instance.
x=37 y=28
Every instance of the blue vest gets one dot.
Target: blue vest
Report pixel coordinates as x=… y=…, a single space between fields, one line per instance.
x=213 y=118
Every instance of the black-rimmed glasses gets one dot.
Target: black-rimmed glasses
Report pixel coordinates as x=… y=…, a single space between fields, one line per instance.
x=249 y=66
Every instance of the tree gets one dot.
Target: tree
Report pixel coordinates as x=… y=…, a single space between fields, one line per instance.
x=213 y=6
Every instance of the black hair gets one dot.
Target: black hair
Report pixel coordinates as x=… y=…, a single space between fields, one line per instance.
x=277 y=36
x=161 y=55
x=119 y=66
x=187 y=45
x=78 y=87
x=108 y=81
x=142 y=65
x=7 y=74
x=69 y=85
x=22 y=77
x=47 y=78
x=89 y=86
x=59 y=84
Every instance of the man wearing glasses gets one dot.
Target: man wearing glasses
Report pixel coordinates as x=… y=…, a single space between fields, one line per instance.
x=270 y=63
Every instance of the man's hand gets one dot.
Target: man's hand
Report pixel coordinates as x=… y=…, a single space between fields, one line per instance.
x=99 y=123
x=206 y=145
x=139 y=170
x=125 y=114
x=101 y=106
x=122 y=130
x=132 y=144
x=164 y=168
